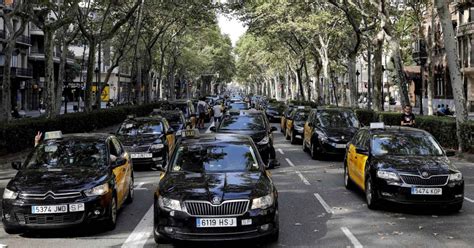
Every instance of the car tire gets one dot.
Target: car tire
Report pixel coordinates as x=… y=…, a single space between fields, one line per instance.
x=287 y=135
x=159 y=239
x=292 y=137
x=12 y=229
x=111 y=221
x=370 y=194
x=348 y=183
x=313 y=151
x=305 y=149
x=131 y=191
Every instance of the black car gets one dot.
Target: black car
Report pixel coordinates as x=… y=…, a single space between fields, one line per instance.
x=175 y=119
x=403 y=165
x=68 y=180
x=255 y=124
x=215 y=188
x=328 y=130
x=284 y=117
x=186 y=106
x=274 y=112
x=149 y=140
x=295 y=124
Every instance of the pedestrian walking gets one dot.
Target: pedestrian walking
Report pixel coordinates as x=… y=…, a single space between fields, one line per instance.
x=218 y=109
x=201 y=112
x=407 y=118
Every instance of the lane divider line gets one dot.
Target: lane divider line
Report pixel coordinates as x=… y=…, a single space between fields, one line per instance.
x=142 y=231
x=469 y=200
x=281 y=151
x=139 y=185
x=305 y=181
x=289 y=162
x=351 y=237
x=323 y=203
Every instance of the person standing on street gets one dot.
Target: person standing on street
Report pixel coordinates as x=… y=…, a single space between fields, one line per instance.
x=407 y=118
x=201 y=111
x=218 y=109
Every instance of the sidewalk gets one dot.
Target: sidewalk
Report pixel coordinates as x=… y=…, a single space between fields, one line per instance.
x=70 y=109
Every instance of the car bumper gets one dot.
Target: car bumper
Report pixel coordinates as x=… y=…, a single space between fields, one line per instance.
x=182 y=226
x=299 y=134
x=334 y=148
x=452 y=193
x=156 y=160
x=17 y=213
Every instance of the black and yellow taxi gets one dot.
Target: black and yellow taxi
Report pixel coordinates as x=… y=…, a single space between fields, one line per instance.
x=403 y=165
x=68 y=180
x=215 y=188
x=295 y=123
x=328 y=130
x=285 y=116
x=175 y=119
x=187 y=107
x=149 y=140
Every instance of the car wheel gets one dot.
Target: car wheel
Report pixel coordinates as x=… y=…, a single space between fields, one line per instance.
x=131 y=191
x=12 y=230
x=111 y=221
x=313 y=151
x=304 y=146
x=347 y=180
x=159 y=239
x=287 y=135
x=292 y=138
x=370 y=194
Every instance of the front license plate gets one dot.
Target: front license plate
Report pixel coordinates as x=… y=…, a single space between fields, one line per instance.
x=426 y=191
x=340 y=146
x=216 y=222
x=141 y=155
x=51 y=209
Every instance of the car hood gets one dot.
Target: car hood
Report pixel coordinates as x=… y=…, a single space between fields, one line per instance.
x=177 y=126
x=139 y=140
x=255 y=135
x=434 y=165
x=41 y=180
x=205 y=186
x=340 y=134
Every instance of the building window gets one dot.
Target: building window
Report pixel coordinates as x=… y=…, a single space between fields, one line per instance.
x=471 y=14
x=439 y=84
x=465 y=49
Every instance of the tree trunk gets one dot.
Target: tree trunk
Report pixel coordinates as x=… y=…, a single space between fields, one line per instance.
x=431 y=62
x=353 y=94
x=61 y=74
x=6 y=89
x=89 y=76
x=377 y=81
x=50 y=84
x=399 y=74
x=454 y=69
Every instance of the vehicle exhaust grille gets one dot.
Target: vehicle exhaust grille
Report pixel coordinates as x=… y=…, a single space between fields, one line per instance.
x=430 y=181
x=227 y=208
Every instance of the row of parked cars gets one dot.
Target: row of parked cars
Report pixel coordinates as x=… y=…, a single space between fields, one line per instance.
x=388 y=163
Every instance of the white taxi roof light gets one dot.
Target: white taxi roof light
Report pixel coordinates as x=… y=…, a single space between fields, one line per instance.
x=130 y=116
x=301 y=107
x=190 y=133
x=377 y=125
x=53 y=135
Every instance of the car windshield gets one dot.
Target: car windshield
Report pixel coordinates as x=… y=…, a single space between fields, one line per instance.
x=337 y=119
x=301 y=116
x=221 y=157
x=138 y=127
x=173 y=119
x=253 y=122
x=402 y=144
x=239 y=106
x=67 y=153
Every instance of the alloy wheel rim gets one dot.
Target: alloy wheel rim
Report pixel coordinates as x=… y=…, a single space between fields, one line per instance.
x=114 y=211
x=346 y=176
x=368 y=192
x=132 y=189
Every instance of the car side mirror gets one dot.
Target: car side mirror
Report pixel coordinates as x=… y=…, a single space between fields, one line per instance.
x=450 y=153
x=273 y=129
x=213 y=129
x=119 y=162
x=16 y=165
x=361 y=150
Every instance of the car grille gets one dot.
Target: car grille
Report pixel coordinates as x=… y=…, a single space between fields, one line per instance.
x=431 y=181
x=143 y=148
x=51 y=195
x=227 y=208
x=41 y=219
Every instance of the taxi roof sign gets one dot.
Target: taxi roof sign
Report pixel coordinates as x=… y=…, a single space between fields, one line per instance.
x=53 y=135
x=130 y=116
x=190 y=133
x=301 y=107
x=377 y=125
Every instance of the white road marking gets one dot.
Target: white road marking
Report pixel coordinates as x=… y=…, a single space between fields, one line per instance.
x=281 y=151
x=289 y=162
x=305 y=181
x=138 y=186
x=469 y=200
x=3 y=246
x=323 y=203
x=351 y=237
x=142 y=231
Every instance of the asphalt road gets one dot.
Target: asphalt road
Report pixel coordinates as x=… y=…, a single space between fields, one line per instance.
x=315 y=211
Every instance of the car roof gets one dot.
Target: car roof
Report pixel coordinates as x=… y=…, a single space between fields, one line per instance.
x=217 y=138
x=394 y=130
x=144 y=119
x=101 y=137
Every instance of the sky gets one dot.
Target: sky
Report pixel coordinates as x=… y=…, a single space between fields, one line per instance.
x=231 y=26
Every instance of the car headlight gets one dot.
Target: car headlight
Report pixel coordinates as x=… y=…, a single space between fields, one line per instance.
x=299 y=128
x=97 y=190
x=264 y=141
x=179 y=133
x=169 y=204
x=322 y=136
x=388 y=175
x=157 y=146
x=9 y=194
x=263 y=202
x=455 y=176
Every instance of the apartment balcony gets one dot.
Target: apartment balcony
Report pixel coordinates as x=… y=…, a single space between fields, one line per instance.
x=465 y=29
x=38 y=55
x=35 y=30
x=18 y=72
x=24 y=40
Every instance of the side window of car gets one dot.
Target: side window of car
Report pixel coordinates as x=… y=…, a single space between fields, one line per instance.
x=118 y=146
x=112 y=148
x=366 y=140
x=356 y=141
